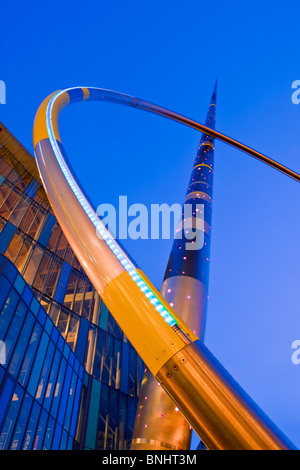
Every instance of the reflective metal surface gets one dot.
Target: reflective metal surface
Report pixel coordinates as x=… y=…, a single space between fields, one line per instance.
x=151 y=325
x=225 y=417
x=159 y=423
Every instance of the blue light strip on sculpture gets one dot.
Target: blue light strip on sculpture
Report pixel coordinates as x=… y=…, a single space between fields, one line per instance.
x=100 y=228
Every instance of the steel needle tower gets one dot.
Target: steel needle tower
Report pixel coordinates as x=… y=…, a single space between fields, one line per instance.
x=159 y=424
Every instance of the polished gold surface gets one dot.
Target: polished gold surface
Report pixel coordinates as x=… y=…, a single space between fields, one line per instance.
x=159 y=424
x=222 y=414
x=152 y=444
x=40 y=131
x=188 y=296
x=123 y=297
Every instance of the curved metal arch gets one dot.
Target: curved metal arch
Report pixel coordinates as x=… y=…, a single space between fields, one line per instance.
x=101 y=94
x=214 y=404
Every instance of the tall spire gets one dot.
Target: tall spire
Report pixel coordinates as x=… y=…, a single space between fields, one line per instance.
x=159 y=424
x=186 y=265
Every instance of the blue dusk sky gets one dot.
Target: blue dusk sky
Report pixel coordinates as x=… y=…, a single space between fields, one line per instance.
x=170 y=53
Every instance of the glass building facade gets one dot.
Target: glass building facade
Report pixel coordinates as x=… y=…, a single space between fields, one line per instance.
x=70 y=379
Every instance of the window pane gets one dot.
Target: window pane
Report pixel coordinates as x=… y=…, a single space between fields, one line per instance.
x=28 y=218
x=54 y=312
x=21 y=423
x=49 y=434
x=7 y=311
x=38 y=362
x=69 y=295
x=19 y=211
x=5 y=169
x=132 y=372
x=13 y=175
x=116 y=365
x=122 y=435
x=80 y=288
x=58 y=387
x=1 y=225
x=56 y=437
x=113 y=420
x=30 y=353
x=72 y=330
x=68 y=415
x=96 y=308
x=32 y=424
x=5 y=190
x=63 y=442
x=38 y=440
x=69 y=255
x=62 y=245
x=42 y=272
x=37 y=223
x=45 y=303
x=20 y=349
x=63 y=322
x=23 y=255
x=11 y=416
x=14 y=247
x=52 y=379
x=108 y=358
x=110 y=323
x=65 y=395
x=56 y=232
x=5 y=397
x=99 y=353
x=53 y=274
x=103 y=418
x=88 y=299
x=9 y=204
x=14 y=328
x=75 y=420
x=33 y=265
x=45 y=373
